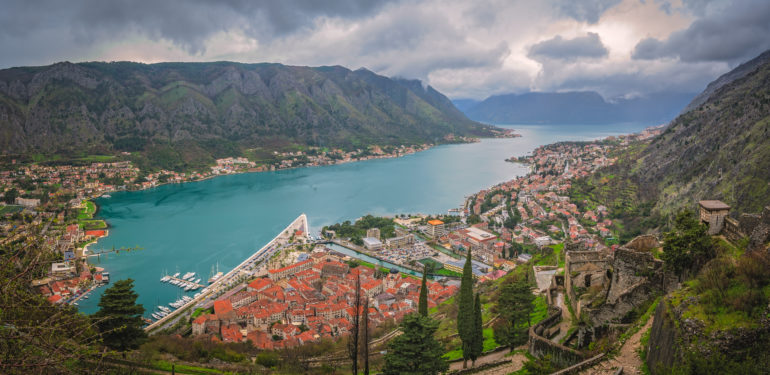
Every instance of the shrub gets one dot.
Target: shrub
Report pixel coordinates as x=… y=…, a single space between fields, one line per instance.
x=267 y=359
x=753 y=268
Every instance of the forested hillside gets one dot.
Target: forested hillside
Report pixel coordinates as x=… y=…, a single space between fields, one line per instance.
x=201 y=111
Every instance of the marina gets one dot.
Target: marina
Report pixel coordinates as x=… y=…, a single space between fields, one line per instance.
x=223 y=283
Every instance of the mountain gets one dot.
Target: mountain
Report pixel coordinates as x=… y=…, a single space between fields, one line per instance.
x=215 y=109
x=465 y=104
x=577 y=107
x=718 y=150
x=737 y=73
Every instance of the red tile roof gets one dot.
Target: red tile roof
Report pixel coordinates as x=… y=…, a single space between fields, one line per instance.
x=222 y=307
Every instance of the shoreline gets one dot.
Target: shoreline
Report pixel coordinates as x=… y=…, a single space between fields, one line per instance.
x=93 y=198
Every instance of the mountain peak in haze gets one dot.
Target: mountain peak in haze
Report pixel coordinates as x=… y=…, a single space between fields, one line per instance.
x=574 y=107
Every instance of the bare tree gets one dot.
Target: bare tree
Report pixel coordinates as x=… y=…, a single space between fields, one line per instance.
x=365 y=338
x=354 y=334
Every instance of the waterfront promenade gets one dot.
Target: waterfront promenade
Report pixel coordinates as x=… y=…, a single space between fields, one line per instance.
x=227 y=281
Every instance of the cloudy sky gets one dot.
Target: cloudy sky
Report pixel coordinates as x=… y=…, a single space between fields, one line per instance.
x=466 y=49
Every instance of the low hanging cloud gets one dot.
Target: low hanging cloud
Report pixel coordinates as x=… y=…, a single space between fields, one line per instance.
x=584 y=10
x=188 y=24
x=558 y=48
x=733 y=34
x=463 y=49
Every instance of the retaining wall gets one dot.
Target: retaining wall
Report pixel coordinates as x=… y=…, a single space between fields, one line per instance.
x=540 y=346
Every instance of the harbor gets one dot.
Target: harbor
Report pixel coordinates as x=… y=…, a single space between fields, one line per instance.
x=228 y=280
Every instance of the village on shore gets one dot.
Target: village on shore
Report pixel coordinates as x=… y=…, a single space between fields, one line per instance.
x=305 y=295
x=304 y=292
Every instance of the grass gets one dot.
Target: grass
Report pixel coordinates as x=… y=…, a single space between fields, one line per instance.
x=88 y=211
x=489 y=344
x=184 y=369
x=541 y=310
x=10 y=209
x=92 y=224
x=558 y=250
x=200 y=311
x=445 y=272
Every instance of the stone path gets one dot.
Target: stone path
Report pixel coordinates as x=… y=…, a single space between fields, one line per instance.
x=627 y=357
x=492 y=357
x=516 y=363
x=566 y=318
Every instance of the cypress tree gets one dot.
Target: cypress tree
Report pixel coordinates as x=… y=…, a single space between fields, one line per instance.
x=423 y=304
x=477 y=344
x=465 y=310
x=119 y=318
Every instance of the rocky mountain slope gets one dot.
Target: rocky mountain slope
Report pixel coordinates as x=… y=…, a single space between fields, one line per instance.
x=737 y=73
x=718 y=150
x=215 y=108
x=579 y=107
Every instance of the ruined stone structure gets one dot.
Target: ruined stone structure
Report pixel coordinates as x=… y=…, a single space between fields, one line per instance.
x=540 y=346
x=584 y=270
x=637 y=277
x=757 y=228
x=606 y=287
x=732 y=230
x=754 y=226
x=713 y=214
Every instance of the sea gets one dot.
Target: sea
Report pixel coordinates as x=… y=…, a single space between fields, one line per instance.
x=218 y=222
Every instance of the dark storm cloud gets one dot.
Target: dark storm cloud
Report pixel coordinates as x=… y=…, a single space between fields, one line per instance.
x=558 y=48
x=731 y=34
x=584 y=10
x=185 y=23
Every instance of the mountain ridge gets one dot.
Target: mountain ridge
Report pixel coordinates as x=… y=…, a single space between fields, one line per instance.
x=574 y=107
x=216 y=108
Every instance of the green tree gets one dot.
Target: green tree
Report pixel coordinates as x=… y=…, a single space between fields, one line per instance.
x=119 y=318
x=415 y=351
x=423 y=303
x=36 y=336
x=687 y=246
x=477 y=344
x=465 y=309
x=514 y=306
x=540 y=366
x=10 y=195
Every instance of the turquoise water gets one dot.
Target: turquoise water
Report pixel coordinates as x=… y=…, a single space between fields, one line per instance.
x=375 y=261
x=193 y=226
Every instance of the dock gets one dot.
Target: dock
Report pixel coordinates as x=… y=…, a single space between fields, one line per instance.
x=184 y=282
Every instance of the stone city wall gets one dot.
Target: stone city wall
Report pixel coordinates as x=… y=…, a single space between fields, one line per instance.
x=540 y=346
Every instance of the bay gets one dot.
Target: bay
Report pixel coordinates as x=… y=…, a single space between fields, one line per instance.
x=194 y=226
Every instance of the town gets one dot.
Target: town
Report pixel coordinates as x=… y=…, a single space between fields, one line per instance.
x=310 y=300
x=302 y=295
x=53 y=202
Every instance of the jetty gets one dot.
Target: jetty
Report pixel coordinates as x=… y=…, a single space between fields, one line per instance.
x=182 y=283
x=298 y=225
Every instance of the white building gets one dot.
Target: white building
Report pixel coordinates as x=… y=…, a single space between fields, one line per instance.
x=543 y=241
x=372 y=243
x=27 y=202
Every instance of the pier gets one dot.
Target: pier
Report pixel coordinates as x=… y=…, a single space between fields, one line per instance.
x=299 y=224
x=183 y=283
